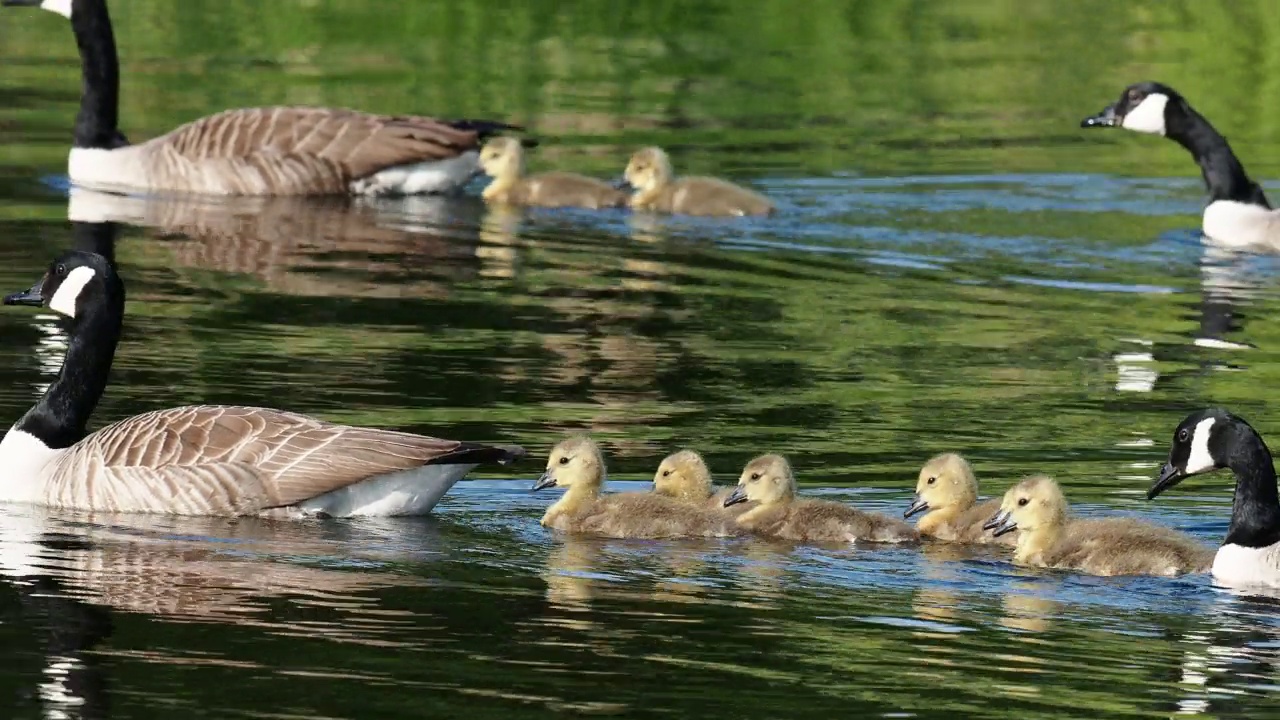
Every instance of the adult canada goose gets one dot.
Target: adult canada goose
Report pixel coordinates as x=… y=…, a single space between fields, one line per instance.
x=256 y=151
x=502 y=159
x=1049 y=538
x=768 y=480
x=657 y=189
x=1214 y=438
x=947 y=492
x=1238 y=212
x=202 y=459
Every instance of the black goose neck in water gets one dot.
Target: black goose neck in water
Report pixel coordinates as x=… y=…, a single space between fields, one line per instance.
x=1255 y=512
x=61 y=417
x=97 y=121
x=1223 y=173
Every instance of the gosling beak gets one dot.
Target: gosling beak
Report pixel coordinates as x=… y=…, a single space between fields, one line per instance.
x=623 y=184
x=739 y=495
x=1001 y=524
x=1106 y=118
x=34 y=296
x=545 y=480
x=918 y=506
x=1168 y=477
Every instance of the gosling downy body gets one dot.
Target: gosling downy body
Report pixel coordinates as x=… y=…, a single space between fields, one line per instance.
x=1238 y=213
x=657 y=189
x=257 y=151
x=1048 y=538
x=577 y=464
x=685 y=477
x=202 y=459
x=503 y=160
x=947 y=492
x=769 y=482
x=1214 y=438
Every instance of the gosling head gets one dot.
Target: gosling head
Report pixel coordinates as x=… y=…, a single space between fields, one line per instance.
x=945 y=482
x=648 y=169
x=574 y=462
x=767 y=480
x=683 y=475
x=1204 y=441
x=502 y=157
x=1036 y=502
x=1143 y=107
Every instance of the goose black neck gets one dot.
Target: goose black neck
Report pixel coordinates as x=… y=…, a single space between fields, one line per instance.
x=1255 y=513
x=1224 y=175
x=61 y=418
x=97 y=121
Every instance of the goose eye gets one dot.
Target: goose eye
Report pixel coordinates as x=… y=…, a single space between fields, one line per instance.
x=931 y=480
x=665 y=473
x=1135 y=95
x=60 y=270
x=1022 y=502
x=564 y=460
x=1182 y=435
x=755 y=476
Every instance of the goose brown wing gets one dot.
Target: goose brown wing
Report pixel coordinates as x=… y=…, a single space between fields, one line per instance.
x=210 y=459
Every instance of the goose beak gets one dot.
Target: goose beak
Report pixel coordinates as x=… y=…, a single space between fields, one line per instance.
x=739 y=495
x=1106 y=118
x=918 y=506
x=20 y=3
x=545 y=480
x=1001 y=524
x=623 y=184
x=34 y=296
x=1168 y=477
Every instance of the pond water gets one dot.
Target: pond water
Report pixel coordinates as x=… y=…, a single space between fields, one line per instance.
x=956 y=266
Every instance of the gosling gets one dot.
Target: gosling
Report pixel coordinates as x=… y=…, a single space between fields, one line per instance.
x=503 y=160
x=768 y=480
x=657 y=189
x=947 y=492
x=685 y=477
x=577 y=465
x=1047 y=538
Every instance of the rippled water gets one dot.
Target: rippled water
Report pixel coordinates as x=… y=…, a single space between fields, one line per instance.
x=955 y=267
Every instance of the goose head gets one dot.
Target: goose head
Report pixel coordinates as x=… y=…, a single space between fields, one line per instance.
x=1142 y=108
x=502 y=157
x=683 y=475
x=1033 y=504
x=945 y=482
x=74 y=281
x=65 y=8
x=1204 y=441
x=767 y=480
x=574 y=462
x=648 y=169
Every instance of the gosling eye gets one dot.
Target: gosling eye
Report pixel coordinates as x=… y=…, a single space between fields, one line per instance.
x=1022 y=501
x=665 y=473
x=564 y=460
x=1183 y=435
x=755 y=476
x=931 y=480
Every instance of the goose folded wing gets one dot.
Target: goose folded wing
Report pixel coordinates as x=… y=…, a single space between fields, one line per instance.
x=235 y=460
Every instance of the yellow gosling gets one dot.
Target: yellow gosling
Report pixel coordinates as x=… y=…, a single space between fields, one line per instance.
x=503 y=160
x=657 y=189
x=947 y=492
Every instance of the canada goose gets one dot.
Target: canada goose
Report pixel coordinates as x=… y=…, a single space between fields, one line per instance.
x=502 y=159
x=1214 y=438
x=577 y=465
x=684 y=476
x=657 y=189
x=948 y=491
x=1037 y=509
x=769 y=481
x=257 y=151
x=1238 y=212
x=202 y=459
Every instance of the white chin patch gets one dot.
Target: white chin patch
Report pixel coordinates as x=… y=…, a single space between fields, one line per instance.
x=64 y=301
x=1200 y=460
x=1148 y=117
x=62 y=7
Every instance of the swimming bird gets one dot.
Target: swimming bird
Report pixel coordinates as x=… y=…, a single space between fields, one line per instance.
x=577 y=464
x=684 y=475
x=257 y=151
x=947 y=492
x=768 y=480
x=1048 y=538
x=202 y=459
x=502 y=159
x=1214 y=438
x=657 y=189
x=1238 y=213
